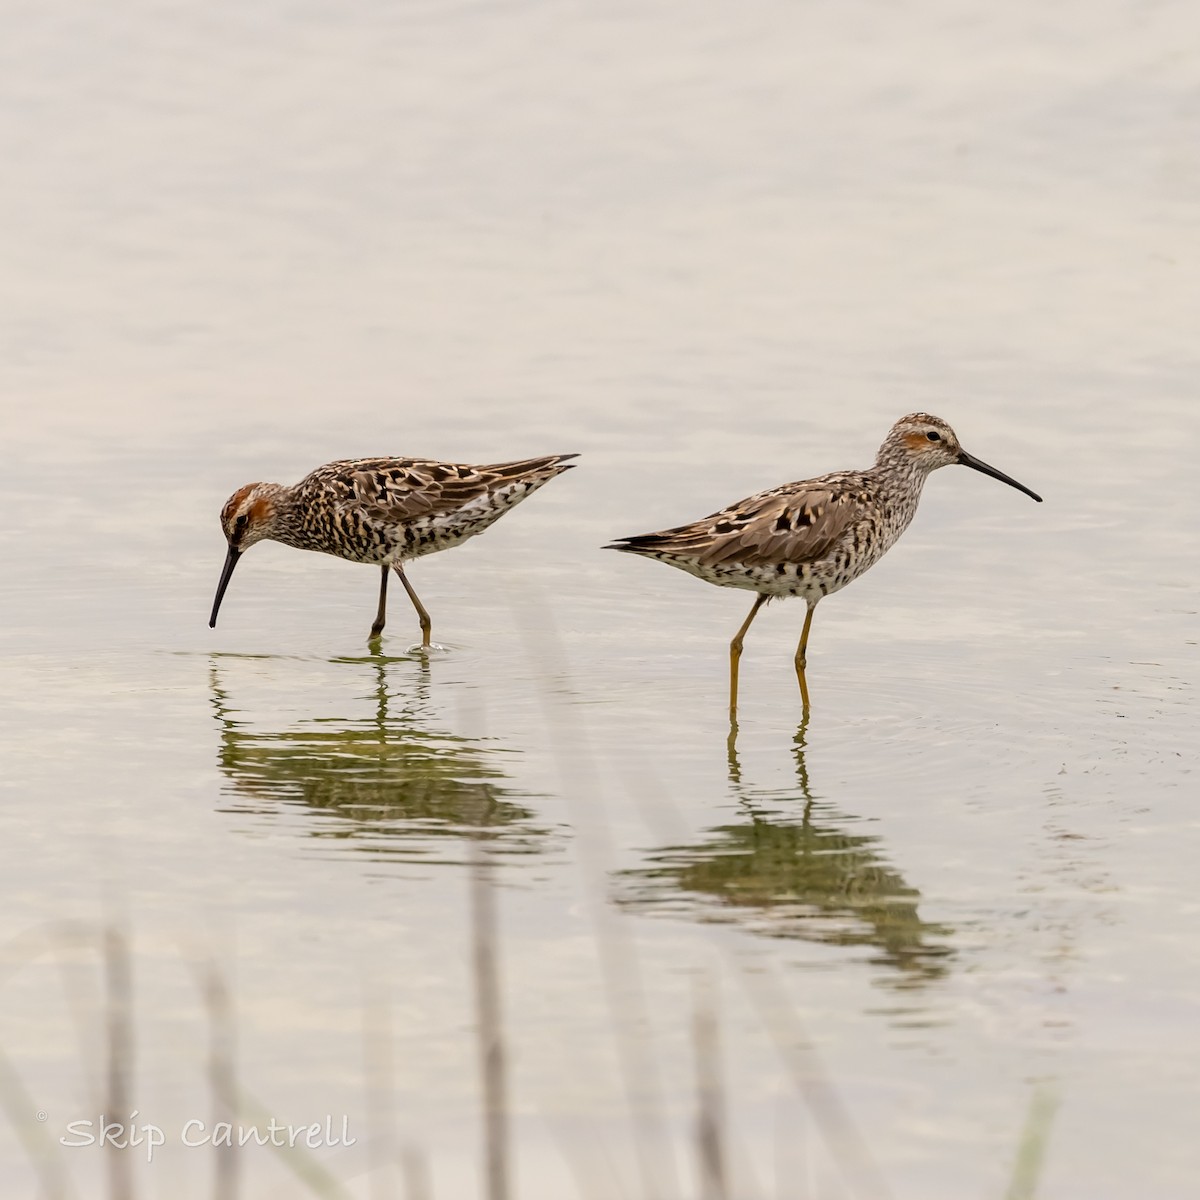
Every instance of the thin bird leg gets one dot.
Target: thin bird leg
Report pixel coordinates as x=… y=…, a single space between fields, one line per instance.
x=735 y=653
x=801 y=659
x=422 y=615
x=381 y=615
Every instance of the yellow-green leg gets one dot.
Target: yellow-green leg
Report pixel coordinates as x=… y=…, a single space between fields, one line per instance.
x=381 y=615
x=801 y=654
x=422 y=615
x=735 y=653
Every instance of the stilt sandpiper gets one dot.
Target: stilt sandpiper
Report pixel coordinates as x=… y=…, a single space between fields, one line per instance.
x=813 y=537
x=382 y=511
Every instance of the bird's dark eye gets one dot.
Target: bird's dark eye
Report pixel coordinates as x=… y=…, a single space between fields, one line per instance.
x=934 y=437
x=239 y=524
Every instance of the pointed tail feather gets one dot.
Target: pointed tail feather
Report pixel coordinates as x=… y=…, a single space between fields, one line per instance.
x=546 y=464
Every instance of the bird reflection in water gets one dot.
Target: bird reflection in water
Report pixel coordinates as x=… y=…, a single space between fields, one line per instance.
x=792 y=867
x=391 y=784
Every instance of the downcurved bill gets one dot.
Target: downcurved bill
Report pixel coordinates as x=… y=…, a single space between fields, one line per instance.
x=226 y=575
x=967 y=460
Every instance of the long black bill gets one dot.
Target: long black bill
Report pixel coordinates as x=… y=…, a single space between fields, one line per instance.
x=226 y=575
x=969 y=460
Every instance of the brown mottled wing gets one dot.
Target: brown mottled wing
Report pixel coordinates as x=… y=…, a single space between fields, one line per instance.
x=395 y=490
x=796 y=523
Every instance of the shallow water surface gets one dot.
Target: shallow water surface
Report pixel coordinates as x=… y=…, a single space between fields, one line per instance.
x=897 y=942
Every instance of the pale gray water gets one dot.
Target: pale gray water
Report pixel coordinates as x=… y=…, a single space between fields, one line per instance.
x=712 y=249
